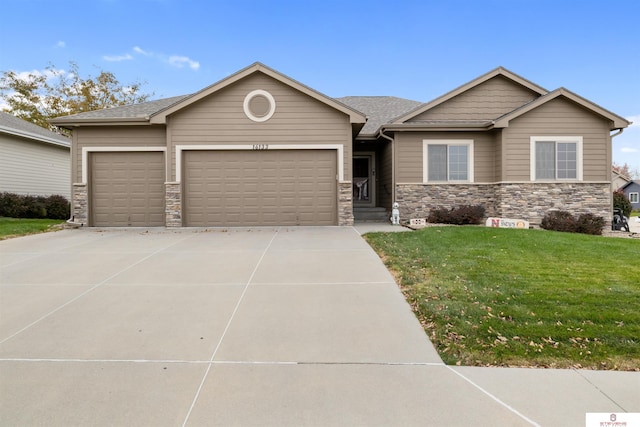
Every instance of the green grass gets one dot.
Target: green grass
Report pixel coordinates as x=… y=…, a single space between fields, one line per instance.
x=499 y=297
x=14 y=227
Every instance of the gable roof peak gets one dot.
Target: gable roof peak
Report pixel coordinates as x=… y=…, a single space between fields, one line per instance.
x=617 y=122
x=499 y=71
x=160 y=116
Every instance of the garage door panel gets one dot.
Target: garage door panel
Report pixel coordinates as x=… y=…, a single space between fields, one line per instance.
x=127 y=189
x=275 y=187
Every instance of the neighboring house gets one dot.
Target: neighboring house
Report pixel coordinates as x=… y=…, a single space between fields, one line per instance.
x=632 y=191
x=33 y=160
x=259 y=148
x=618 y=180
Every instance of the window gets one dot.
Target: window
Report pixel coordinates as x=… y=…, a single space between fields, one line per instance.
x=634 y=197
x=448 y=160
x=556 y=158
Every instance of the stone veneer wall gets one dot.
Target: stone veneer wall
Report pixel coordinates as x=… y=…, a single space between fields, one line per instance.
x=532 y=201
x=529 y=201
x=173 y=204
x=80 y=210
x=417 y=200
x=345 y=204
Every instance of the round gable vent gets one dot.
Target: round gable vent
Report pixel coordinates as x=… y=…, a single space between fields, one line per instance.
x=259 y=105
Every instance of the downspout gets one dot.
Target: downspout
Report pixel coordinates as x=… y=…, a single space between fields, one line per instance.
x=393 y=163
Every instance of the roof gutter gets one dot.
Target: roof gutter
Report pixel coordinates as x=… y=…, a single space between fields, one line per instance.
x=96 y=121
x=30 y=135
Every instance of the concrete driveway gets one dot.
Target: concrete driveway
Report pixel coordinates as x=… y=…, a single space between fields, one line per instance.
x=194 y=327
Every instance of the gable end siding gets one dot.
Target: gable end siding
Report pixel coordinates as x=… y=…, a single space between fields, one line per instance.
x=298 y=119
x=558 y=117
x=489 y=100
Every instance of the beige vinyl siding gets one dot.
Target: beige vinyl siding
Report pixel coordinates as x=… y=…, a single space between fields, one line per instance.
x=385 y=177
x=409 y=156
x=33 y=167
x=298 y=119
x=489 y=100
x=559 y=117
x=113 y=136
x=497 y=156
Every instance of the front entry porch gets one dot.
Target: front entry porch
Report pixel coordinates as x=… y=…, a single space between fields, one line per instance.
x=372 y=181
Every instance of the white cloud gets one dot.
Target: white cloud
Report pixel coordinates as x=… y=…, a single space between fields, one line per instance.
x=635 y=119
x=178 y=61
x=50 y=74
x=141 y=51
x=117 y=58
x=629 y=150
x=181 y=61
x=61 y=44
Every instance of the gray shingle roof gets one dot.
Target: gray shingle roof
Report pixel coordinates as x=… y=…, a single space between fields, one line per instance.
x=379 y=109
x=142 y=110
x=11 y=124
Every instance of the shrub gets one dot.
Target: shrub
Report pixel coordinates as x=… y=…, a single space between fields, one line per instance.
x=33 y=207
x=57 y=207
x=10 y=205
x=461 y=215
x=559 y=221
x=590 y=224
x=26 y=206
x=565 y=221
x=621 y=201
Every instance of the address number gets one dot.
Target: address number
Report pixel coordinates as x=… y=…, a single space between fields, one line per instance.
x=260 y=146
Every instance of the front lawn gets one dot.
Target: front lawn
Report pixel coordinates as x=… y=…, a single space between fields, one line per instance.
x=14 y=227
x=499 y=297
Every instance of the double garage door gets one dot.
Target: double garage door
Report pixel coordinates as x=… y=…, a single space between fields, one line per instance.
x=247 y=188
x=220 y=188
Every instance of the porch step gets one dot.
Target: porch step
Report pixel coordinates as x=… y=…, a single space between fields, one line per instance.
x=371 y=214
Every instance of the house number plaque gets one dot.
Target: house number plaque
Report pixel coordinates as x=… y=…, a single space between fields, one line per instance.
x=260 y=147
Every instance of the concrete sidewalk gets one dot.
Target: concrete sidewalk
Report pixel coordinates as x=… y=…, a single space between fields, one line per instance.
x=263 y=326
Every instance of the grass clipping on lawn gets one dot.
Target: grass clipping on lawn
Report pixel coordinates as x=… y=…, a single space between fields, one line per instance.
x=529 y=298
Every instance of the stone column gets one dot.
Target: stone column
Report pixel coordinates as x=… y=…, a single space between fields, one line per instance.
x=173 y=204
x=345 y=204
x=80 y=208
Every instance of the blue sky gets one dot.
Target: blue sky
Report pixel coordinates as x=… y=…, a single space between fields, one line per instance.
x=411 y=49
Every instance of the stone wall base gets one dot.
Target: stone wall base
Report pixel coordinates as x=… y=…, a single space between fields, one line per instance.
x=173 y=204
x=80 y=204
x=529 y=201
x=345 y=204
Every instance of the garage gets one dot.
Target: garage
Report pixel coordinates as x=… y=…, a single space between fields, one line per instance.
x=259 y=188
x=127 y=189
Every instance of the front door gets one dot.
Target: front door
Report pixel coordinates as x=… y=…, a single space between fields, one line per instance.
x=364 y=177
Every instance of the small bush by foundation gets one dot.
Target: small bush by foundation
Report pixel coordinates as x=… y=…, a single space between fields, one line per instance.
x=565 y=221
x=461 y=215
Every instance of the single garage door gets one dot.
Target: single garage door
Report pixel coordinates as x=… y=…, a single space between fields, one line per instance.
x=247 y=188
x=127 y=189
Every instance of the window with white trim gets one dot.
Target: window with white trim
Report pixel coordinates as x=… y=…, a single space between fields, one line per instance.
x=634 y=197
x=556 y=158
x=447 y=160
